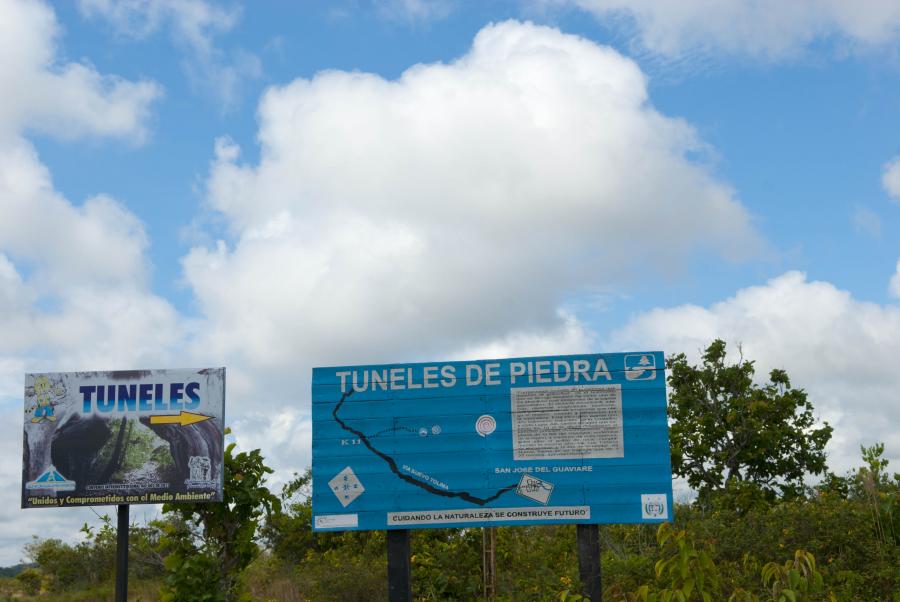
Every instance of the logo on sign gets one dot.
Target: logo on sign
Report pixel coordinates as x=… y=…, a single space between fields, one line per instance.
x=346 y=486
x=200 y=468
x=485 y=425
x=653 y=505
x=640 y=366
x=51 y=479
x=534 y=489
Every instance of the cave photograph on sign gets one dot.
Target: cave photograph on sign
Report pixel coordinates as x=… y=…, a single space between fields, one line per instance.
x=123 y=437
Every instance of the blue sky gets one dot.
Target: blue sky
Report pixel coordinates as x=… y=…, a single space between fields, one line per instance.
x=275 y=186
x=801 y=139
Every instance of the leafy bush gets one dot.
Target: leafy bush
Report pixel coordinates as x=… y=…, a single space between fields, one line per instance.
x=30 y=581
x=207 y=547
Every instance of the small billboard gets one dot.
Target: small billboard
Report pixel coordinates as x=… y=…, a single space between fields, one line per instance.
x=123 y=437
x=560 y=439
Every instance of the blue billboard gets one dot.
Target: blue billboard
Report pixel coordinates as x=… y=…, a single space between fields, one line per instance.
x=560 y=439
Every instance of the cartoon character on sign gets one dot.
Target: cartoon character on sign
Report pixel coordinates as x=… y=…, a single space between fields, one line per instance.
x=45 y=394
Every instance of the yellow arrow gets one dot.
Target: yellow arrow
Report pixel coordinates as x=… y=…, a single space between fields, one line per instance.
x=184 y=418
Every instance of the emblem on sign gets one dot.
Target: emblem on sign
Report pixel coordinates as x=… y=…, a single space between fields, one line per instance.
x=485 y=425
x=51 y=479
x=640 y=366
x=200 y=469
x=534 y=489
x=653 y=505
x=346 y=486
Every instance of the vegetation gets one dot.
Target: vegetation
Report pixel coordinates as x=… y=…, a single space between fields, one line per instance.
x=207 y=547
x=755 y=533
x=12 y=571
x=728 y=434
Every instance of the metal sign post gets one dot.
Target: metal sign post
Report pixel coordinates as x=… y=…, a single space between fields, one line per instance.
x=122 y=554
x=588 y=537
x=399 y=581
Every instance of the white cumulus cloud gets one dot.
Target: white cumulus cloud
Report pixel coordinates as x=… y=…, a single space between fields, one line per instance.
x=836 y=347
x=453 y=207
x=767 y=29
x=62 y=99
x=65 y=243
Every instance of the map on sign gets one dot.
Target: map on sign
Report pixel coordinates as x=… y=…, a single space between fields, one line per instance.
x=127 y=437
x=556 y=439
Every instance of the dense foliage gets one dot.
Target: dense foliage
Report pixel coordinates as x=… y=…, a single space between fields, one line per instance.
x=755 y=533
x=847 y=530
x=841 y=540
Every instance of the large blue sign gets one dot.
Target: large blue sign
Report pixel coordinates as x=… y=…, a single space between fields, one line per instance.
x=564 y=439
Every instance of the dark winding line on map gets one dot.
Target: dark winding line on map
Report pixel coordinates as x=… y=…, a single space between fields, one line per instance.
x=465 y=495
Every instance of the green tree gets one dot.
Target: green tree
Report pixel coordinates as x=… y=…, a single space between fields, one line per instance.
x=70 y=567
x=728 y=433
x=207 y=546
